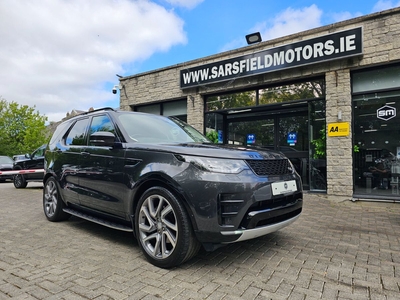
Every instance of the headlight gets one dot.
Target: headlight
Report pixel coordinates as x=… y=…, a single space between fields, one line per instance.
x=291 y=167
x=217 y=165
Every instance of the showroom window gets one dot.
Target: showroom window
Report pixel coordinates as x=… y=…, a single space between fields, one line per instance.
x=376 y=132
x=289 y=98
x=174 y=108
x=268 y=95
x=288 y=118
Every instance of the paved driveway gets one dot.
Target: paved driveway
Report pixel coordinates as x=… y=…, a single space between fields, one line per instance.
x=336 y=250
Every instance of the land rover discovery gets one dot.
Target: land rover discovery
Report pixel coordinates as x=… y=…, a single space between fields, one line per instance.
x=162 y=180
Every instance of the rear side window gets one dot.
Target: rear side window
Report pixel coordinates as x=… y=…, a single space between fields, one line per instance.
x=77 y=134
x=60 y=130
x=101 y=123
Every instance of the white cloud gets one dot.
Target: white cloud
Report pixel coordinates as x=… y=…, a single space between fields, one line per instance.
x=185 y=3
x=59 y=55
x=384 y=4
x=290 y=21
x=285 y=23
x=379 y=6
x=345 y=15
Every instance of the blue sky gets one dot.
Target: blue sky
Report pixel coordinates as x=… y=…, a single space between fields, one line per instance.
x=61 y=55
x=214 y=26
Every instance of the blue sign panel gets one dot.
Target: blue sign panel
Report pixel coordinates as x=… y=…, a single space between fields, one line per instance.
x=251 y=139
x=220 y=137
x=292 y=138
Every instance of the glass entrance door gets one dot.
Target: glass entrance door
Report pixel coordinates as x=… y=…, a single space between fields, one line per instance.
x=287 y=133
x=254 y=132
x=294 y=143
x=285 y=117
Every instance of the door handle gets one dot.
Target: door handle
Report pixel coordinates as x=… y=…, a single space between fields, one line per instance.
x=85 y=154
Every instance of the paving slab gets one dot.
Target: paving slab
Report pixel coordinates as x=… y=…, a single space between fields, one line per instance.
x=338 y=249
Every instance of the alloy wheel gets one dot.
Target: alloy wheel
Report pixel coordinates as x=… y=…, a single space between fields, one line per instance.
x=50 y=198
x=158 y=228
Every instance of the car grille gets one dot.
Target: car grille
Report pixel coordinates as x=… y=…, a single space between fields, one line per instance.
x=270 y=167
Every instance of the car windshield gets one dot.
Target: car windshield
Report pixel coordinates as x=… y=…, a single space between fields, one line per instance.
x=147 y=128
x=5 y=160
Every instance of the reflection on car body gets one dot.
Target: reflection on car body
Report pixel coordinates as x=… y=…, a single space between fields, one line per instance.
x=19 y=157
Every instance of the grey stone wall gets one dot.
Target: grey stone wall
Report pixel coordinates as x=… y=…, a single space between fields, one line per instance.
x=339 y=148
x=195 y=111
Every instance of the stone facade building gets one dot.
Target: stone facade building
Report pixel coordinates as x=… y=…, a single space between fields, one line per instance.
x=326 y=97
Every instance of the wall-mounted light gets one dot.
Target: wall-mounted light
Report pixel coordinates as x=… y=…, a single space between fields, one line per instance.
x=339 y=115
x=253 y=38
x=191 y=99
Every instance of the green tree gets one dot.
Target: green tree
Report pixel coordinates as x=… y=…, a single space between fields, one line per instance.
x=296 y=91
x=22 y=128
x=212 y=135
x=235 y=100
x=320 y=144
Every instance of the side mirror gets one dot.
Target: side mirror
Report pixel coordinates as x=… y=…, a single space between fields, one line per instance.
x=102 y=138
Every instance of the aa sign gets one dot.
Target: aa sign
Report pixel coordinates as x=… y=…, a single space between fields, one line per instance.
x=339 y=129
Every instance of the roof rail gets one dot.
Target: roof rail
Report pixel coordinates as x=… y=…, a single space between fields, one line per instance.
x=99 y=109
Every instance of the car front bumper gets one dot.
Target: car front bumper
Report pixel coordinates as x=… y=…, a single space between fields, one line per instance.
x=227 y=209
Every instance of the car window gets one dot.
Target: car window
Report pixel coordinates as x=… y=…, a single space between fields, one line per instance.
x=101 y=123
x=77 y=133
x=38 y=153
x=146 y=128
x=5 y=160
x=59 y=131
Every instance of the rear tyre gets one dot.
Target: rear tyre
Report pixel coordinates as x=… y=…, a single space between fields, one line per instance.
x=52 y=203
x=19 y=181
x=163 y=229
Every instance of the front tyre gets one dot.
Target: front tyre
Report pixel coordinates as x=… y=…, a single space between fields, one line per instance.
x=163 y=229
x=19 y=181
x=52 y=202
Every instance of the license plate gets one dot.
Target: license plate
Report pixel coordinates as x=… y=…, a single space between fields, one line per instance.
x=283 y=187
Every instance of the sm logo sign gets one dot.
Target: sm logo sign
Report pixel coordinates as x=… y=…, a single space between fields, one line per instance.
x=386 y=112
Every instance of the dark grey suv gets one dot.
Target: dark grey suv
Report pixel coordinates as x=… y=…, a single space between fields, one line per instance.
x=164 y=181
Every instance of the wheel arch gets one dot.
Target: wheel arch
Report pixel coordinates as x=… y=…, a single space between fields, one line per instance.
x=171 y=186
x=46 y=176
x=49 y=174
